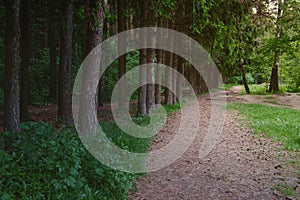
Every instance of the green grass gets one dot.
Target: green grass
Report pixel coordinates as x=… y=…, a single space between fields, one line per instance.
x=280 y=124
x=229 y=86
x=298 y=94
x=286 y=189
x=256 y=90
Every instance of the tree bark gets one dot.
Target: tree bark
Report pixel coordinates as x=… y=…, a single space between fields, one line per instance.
x=89 y=94
x=142 y=100
x=65 y=66
x=244 y=79
x=121 y=48
x=25 y=22
x=52 y=40
x=158 y=77
x=11 y=68
x=274 y=82
x=179 y=83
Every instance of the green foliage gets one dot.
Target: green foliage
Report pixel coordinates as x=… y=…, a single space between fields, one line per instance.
x=280 y=124
x=174 y=107
x=125 y=141
x=53 y=164
x=39 y=77
x=257 y=90
x=238 y=79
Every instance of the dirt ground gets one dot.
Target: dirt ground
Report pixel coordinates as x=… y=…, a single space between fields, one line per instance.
x=241 y=166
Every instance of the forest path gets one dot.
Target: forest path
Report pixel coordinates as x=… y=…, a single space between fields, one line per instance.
x=241 y=165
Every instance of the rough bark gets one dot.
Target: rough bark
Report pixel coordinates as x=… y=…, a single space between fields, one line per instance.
x=158 y=77
x=65 y=66
x=174 y=78
x=142 y=108
x=52 y=40
x=179 y=83
x=150 y=77
x=244 y=79
x=89 y=94
x=274 y=82
x=121 y=48
x=11 y=68
x=25 y=25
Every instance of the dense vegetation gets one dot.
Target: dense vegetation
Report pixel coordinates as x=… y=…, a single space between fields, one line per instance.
x=43 y=43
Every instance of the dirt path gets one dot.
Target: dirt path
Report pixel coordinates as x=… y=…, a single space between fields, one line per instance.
x=241 y=166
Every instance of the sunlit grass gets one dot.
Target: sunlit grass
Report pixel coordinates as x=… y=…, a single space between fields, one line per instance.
x=279 y=124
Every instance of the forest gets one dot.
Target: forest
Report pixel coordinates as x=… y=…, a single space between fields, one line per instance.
x=254 y=44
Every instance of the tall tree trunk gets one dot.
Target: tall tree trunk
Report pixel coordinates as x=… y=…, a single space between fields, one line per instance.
x=179 y=83
x=158 y=77
x=174 y=78
x=151 y=64
x=150 y=77
x=52 y=39
x=142 y=108
x=89 y=94
x=169 y=75
x=244 y=79
x=11 y=68
x=121 y=4
x=65 y=66
x=274 y=82
x=25 y=22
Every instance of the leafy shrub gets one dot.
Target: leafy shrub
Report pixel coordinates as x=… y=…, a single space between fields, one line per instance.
x=53 y=164
x=238 y=79
x=257 y=90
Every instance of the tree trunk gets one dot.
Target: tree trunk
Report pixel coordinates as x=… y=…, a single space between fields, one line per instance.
x=244 y=79
x=89 y=94
x=168 y=73
x=174 y=78
x=274 y=85
x=25 y=22
x=274 y=82
x=158 y=77
x=121 y=4
x=11 y=68
x=65 y=66
x=179 y=83
x=52 y=39
x=142 y=108
x=150 y=77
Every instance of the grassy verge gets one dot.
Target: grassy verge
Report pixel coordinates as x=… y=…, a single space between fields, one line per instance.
x=281 y=125
x=256 y=90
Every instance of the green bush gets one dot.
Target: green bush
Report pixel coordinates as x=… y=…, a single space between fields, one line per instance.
x=53 y=164
x=238 y=79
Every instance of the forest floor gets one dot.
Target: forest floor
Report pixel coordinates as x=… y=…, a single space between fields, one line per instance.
x=241 y=166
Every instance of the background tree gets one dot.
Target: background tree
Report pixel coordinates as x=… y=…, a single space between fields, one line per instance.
x=26 y=49
x=65 y=65
x=11 y=69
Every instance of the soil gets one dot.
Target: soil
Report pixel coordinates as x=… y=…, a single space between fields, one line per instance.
x=241 y=166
